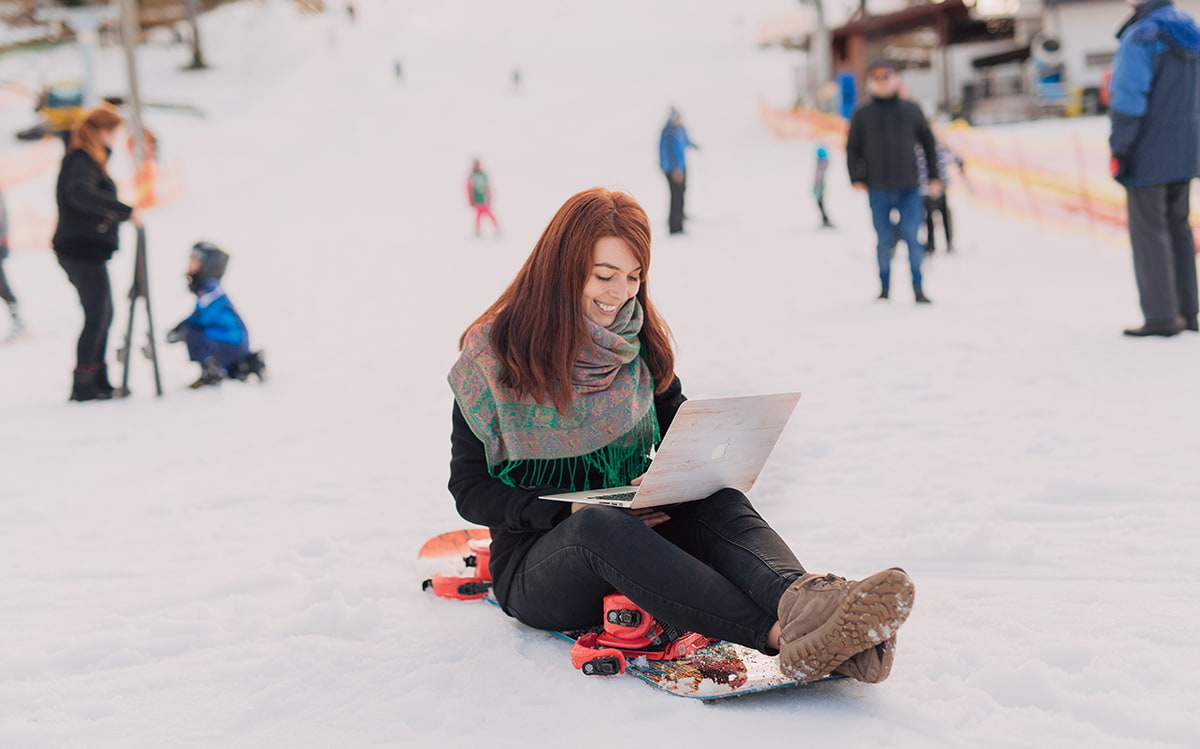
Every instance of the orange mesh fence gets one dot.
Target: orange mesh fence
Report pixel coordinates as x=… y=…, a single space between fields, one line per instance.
x=1060 y=179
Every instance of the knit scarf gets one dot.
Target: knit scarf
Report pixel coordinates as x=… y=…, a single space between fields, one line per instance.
x=610 y=427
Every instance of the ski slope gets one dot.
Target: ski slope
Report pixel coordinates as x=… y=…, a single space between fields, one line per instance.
x=235 y=567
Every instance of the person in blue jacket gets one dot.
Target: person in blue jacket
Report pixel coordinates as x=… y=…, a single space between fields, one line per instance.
x=1155 y=142
x=672 y=158
x=215 y=335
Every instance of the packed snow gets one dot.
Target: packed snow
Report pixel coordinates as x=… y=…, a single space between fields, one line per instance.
x=235 y=567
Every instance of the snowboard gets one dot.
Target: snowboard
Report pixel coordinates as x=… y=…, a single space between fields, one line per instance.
x=716 y=671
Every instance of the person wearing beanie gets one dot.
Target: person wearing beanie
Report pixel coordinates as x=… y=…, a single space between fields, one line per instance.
x=819 y=184
x=1155 y=143
x=215 y=335
x=479 y=196
x=881 y=156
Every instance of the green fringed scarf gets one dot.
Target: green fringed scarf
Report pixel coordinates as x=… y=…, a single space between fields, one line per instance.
x=610 y=428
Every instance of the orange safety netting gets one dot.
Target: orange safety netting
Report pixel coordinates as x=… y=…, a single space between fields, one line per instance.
x=1060 y=178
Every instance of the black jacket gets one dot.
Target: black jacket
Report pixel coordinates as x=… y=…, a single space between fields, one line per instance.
x=515 y=515
x=880 y=148
x=88 y=210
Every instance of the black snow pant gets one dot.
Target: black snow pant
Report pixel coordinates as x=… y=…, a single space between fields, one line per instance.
x=715 y=568
x=1164 y=250
x=937 y=205
x=90 y=279
x=675 y=217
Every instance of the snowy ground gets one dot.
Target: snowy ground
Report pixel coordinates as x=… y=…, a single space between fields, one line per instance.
x=234 y=568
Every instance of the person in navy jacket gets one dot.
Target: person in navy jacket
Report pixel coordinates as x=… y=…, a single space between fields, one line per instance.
x=672 y=159
x=1155 y=142
x=215 y=335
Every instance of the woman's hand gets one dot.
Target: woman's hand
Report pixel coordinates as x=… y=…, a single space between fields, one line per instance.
x=651 y=516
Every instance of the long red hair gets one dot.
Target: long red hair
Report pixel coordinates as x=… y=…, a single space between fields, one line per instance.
x=538 y=324
x=86 y=135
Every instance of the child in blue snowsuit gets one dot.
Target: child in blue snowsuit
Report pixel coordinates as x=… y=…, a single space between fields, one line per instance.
x=215 y=335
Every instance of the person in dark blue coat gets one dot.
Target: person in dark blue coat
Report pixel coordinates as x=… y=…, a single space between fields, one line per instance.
x=1155 y=142
x=672 y=158
x=215 y=335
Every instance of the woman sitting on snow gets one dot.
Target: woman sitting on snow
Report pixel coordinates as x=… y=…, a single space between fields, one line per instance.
x=576 y=334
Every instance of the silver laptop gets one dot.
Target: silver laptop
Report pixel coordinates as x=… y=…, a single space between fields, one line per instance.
x=711 y=445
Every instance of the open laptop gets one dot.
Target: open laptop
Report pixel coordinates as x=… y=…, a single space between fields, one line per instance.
x=712 y=444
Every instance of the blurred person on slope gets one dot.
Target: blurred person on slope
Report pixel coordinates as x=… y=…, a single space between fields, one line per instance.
x=5 y=290
x=1155 y=142
x=86 y=237
x=881 y=157
x=936 y=204
x=567 y=382
x=819 y=184
x=215 y=335
x=673 y=144
x=479 y=195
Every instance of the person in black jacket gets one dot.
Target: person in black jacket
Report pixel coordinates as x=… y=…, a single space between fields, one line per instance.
x=86 y=237
x=567 y=383
x=881 y=157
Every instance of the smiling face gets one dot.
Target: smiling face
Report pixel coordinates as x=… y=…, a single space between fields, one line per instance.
x=615 y=277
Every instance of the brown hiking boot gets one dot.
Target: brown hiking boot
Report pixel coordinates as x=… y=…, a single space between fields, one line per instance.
x=826 y=620
x=871 y=665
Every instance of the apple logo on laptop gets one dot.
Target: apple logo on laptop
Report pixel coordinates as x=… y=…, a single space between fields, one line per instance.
x=719 y=451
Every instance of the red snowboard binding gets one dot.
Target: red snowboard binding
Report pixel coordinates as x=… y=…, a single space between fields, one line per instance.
x=466 y=588
x=630 y=632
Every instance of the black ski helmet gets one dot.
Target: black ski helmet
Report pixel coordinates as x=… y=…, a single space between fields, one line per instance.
x=212 y=261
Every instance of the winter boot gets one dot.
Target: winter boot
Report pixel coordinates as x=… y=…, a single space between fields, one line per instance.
x=920 y=296
x=85 y=387
x=826 y=620
x=210 y=374
x=883 y=294
x=871 y=665
x=102 y=383
x=253 y=364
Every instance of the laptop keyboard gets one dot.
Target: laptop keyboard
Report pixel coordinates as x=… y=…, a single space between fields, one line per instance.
x=615 y=497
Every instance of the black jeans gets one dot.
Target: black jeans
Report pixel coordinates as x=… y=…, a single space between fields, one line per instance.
x=1164 y=251
x=90 y=279
x=675 y=219
x=715 y=568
